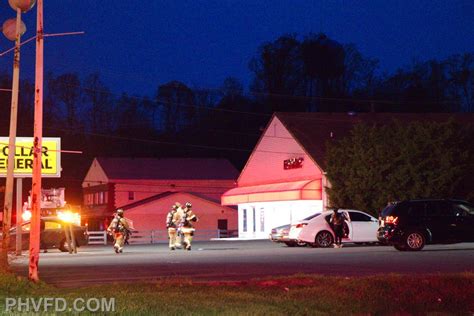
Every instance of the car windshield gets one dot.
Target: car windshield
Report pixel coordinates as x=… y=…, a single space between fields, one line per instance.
x=311 y=216
x=466 y=207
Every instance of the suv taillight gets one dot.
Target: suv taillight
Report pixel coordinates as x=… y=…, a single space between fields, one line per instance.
x=301 y=225
x=391 y=220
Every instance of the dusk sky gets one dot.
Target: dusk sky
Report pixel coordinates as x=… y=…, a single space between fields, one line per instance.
x=137 y=45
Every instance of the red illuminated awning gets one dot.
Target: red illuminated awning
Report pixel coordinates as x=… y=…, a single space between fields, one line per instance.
x=283 y=191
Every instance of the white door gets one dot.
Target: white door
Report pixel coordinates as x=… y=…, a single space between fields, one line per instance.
x=364 y=227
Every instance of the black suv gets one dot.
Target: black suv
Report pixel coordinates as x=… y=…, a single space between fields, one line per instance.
x=409 y=225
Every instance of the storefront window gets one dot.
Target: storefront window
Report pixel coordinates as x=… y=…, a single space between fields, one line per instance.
x=244 y=218
x=262 y=220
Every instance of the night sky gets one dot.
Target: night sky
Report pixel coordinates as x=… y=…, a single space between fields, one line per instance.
x=137 y=45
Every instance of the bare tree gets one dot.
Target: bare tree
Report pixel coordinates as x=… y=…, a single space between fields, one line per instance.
x=177 y=103
x=65 y=91
x=99 y=104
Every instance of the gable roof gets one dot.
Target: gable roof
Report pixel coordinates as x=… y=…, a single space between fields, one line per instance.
x=314 y=130
x=166 y=194
x=95 y=175
x=168 y=168
x=148 y=200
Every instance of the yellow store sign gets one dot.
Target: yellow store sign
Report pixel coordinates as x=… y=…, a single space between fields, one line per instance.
x=50 y=157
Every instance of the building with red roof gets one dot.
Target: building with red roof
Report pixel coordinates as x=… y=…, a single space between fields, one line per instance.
x=146 y=188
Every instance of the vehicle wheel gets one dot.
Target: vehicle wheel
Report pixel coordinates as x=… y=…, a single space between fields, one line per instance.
x=414 y=241
x=400 y=247
x=324 y=239
x=300 y=243
x=63 y=246
x=290 y=243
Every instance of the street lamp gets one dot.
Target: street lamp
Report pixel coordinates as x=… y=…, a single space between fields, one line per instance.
x=12 y=29
x=9 y=29
x=23 y=5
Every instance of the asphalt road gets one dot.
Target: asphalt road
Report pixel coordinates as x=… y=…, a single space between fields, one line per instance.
x=240 y=260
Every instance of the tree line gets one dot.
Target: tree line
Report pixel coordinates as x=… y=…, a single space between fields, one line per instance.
x=291 y=73
x=378 y=164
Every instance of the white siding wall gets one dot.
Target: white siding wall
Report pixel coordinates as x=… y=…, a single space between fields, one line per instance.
x=274 y=214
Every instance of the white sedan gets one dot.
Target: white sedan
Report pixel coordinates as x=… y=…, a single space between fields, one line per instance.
x=361 y=227
x=295 y=230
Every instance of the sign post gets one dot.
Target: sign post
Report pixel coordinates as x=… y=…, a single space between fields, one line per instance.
x=19 y=211
x=23 y=154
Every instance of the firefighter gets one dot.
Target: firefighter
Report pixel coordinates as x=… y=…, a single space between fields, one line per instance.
x=187 y=225
x=120 y=230
x=173 y=220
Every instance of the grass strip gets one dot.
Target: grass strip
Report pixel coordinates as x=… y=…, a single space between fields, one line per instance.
x=294 y=295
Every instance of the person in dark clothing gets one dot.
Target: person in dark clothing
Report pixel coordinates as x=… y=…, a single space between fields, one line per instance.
x=337 y=223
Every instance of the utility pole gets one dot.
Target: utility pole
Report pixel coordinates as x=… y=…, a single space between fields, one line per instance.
x=37 y=142
x=23 y=6
x=11 y=34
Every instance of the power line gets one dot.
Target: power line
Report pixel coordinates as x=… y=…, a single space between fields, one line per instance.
x=254 y=93
x=157 y=104
x=185 y=105
x=155 y=185
x=192 y=145
x=158 y=142
x=266 y=94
